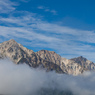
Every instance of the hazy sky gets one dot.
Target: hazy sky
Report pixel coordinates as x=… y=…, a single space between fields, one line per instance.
x=63 y=26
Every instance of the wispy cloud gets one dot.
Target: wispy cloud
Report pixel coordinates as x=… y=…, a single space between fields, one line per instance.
x=40 y=7
x=49 y=35
x=46 y=9
x=54 y=12
x=6 y=6
x=25 y=1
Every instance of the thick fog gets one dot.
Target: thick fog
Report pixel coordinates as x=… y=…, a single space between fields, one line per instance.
x=23 y=80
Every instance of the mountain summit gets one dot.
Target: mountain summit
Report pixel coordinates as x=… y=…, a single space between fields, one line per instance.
x=44 y=58
x=19 y=54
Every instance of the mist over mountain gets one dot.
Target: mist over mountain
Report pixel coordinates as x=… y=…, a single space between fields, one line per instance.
x=24 y=80
x=24 y=72
x=47 y=47
x=44 y=59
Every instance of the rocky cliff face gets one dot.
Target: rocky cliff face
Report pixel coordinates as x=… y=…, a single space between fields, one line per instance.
x=50 y=56
x=73 y=66
x=77 y=65
x=85 y=65
x=44 y=58
x=19 y=54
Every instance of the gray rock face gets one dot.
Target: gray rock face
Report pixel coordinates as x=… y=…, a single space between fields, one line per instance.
x=44 y=58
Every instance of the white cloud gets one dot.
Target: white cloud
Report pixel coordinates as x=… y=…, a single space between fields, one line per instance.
x=65 y=41
x=54 y=12
x=6 y=6
x=46 y=9
x=23 y=80
x=40 y=7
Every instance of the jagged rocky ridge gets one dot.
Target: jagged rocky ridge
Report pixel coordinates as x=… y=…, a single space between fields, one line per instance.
x=44 y=58
x=73 y=66
x=19 y=54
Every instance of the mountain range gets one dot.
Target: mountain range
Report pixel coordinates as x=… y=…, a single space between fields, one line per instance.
x=44 y=59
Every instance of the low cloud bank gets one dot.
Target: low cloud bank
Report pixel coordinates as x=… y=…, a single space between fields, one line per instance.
x=23 y=80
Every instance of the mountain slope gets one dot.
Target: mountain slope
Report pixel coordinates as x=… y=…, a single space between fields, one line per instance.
x=50 y=56
x=44 y=58
x=84 y=63
x=73 y=66
x=19 y=54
